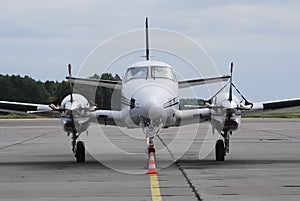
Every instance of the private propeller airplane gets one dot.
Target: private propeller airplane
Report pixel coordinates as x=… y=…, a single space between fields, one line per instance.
x=150 y=101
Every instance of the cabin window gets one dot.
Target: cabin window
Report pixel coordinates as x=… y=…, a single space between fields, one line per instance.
x=137 y=72
x=162 y=72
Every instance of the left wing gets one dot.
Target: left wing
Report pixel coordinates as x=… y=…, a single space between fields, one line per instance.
x=28 y=108
x=185 y=117
x=189 y=83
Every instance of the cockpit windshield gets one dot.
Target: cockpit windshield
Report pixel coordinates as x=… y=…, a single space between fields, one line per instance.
x=162 y=72
x=156 y=72
x=137 y=72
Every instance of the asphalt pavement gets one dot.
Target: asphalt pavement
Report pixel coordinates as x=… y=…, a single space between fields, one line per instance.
x=36 y=163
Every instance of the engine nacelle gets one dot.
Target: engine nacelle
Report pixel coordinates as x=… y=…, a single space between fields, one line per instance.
x=221 y=123
x=76 y=116
x=79 y=102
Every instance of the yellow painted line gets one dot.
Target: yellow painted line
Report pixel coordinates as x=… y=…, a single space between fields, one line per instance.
x=155 y=190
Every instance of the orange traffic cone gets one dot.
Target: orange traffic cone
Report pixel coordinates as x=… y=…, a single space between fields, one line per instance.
x=152 y=168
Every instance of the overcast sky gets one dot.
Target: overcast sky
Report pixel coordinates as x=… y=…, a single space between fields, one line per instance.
x=39 y=38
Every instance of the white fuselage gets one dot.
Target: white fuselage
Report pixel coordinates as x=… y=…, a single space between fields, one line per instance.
x=150 y=93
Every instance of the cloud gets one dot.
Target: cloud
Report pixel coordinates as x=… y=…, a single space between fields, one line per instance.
x=55 y=33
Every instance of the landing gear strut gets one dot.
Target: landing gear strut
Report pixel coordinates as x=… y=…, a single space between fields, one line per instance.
x=226 y=139
x=150 y=128
x=151 y=146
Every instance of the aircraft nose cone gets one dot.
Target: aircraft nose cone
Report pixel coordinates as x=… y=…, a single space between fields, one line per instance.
x=152 y=111
x=155 y=112
x=150 y=100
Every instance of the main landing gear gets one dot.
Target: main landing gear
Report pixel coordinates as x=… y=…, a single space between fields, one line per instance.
x=78 y=148
x=80 y=152
x=222 y=148
x=151 y=129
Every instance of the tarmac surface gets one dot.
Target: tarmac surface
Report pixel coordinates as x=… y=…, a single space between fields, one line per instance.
x=37 y=164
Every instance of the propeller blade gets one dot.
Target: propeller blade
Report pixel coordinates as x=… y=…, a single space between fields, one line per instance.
x=210 y=100
x=243 y=97
x=70 y=69
x=71 y=87
x=230 y=87
x=73 y=122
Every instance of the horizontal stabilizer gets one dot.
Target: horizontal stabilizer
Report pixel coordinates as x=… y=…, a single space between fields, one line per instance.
x=195 y=82
x=95 y=82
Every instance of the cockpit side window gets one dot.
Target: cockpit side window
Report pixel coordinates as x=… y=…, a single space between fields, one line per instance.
x=162 y=72
x=136 y=72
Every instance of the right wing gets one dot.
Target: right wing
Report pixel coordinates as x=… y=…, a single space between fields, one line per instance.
x=272 y=105
x=189 y=83
x=95 y=82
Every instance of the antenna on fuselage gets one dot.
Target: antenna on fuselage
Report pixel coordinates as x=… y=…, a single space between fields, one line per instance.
x=147 y=41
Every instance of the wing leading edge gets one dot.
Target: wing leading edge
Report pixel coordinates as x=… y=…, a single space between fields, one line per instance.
x=28 y=108
x=273 y=105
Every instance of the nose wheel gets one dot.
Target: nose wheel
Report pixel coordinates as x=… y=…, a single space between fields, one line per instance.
x=78 y=149
x=220 y=151
x=80 y=152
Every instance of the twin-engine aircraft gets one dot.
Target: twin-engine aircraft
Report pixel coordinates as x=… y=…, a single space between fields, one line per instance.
x=150 y=101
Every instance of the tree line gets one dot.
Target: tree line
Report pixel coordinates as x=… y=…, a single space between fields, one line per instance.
x=26 y=89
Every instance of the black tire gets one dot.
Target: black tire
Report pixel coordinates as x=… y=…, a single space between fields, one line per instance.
x=80 y=152
x=220 y=151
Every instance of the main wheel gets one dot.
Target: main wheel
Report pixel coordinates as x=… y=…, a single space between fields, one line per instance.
x=220 y=151
x=80 y=152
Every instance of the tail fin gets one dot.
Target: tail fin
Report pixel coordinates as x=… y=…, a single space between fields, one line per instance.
x=147 y=40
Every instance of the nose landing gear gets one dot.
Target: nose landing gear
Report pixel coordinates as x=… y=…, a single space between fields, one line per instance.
x=151 y=128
